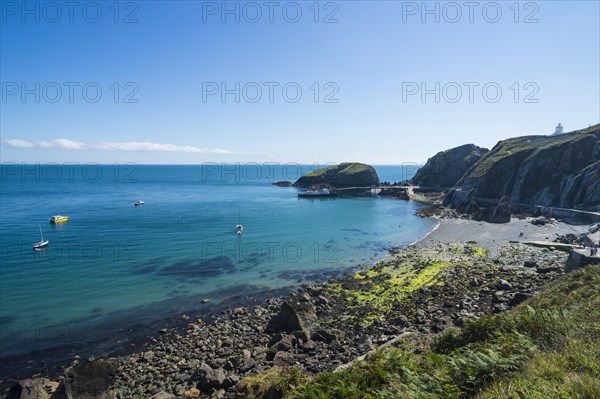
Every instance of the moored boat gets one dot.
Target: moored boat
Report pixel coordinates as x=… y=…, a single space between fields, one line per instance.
x=138 y=203
x=239 y=229
x=42 y=243
x=59 y=219
x=316 y=193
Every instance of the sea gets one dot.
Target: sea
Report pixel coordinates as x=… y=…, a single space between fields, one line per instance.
x=114 y=274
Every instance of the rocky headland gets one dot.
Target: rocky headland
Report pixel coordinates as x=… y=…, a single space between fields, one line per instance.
x=446 y=168
x=523 y=174
x=554 y=171
x=346 y=174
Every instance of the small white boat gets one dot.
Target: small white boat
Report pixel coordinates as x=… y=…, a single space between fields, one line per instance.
x=138 y=203
x=239 y=229
x=316 y=193
x=41 y=244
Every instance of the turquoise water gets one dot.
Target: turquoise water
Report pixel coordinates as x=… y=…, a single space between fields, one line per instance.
x=115 y=267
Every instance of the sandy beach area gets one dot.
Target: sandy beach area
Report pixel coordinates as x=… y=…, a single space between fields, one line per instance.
x=491 y=236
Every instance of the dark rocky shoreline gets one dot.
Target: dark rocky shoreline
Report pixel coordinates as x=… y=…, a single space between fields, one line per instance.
x=422 y=289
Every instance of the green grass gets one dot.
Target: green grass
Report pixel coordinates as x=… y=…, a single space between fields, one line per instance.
x=520 y=148
x=353 y=168
x=549 y=347
x=344 y=168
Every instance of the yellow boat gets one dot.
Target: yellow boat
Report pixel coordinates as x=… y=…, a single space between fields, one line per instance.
x=59 y=219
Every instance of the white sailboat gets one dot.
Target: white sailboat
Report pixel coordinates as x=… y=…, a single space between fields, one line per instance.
x=41 y=244
x=239 y=229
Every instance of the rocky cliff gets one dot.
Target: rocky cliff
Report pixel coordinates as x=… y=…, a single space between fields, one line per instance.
x=446 y=168
x=343 y=175
x=559 y=171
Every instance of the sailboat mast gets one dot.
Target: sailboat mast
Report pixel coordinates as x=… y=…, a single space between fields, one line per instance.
x=40 y=226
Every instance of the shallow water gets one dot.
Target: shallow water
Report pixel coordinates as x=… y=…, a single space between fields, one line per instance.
x=114 y=267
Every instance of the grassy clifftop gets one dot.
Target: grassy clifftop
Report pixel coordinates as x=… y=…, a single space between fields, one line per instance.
x=549 y=347
x=345 y=167
x=527 y=146
x=346 y=174
x=560 y=171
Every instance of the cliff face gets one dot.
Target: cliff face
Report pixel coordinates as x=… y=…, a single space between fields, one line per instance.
x=343 y=175
x=562 y=171
x=446 y=168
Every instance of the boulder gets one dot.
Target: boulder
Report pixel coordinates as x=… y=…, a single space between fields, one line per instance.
x=503 y=285
x=90 y=380
x=209 y=378
x=441 y=324
x=280 y=343
x=246 y=365
x=343 y=175
x=283 y=359
x=294 y=315
x=163 y=395
x=500 y=297
x=519 y=297
x=191 y=393
x=32 y=388
x=327 y=336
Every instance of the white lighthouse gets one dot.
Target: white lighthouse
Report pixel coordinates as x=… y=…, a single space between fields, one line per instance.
x=558 y=130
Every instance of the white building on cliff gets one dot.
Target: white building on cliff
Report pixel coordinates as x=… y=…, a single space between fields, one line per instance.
x=558 y=130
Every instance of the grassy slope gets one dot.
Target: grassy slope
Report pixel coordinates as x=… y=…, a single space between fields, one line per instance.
x=549 y=347
x=346 y=168
x=527 y=146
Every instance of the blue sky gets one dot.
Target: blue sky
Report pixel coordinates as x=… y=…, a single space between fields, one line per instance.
x=169 y=56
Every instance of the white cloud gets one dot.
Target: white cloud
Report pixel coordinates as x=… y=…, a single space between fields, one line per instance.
x=20 y=143
x=60 y=143
x=67 y=144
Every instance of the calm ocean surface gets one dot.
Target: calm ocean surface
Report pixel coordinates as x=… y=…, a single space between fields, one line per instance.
x=115 y=270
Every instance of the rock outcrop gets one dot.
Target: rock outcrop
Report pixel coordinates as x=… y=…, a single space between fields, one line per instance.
x=396 y=192
x=34 y=388
x=343 y=175
x=283 y=183
x=209 y=378
x=90 y=380
x=557 y=171
x=499 y=214
x=446 y=168
x=296 y=314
